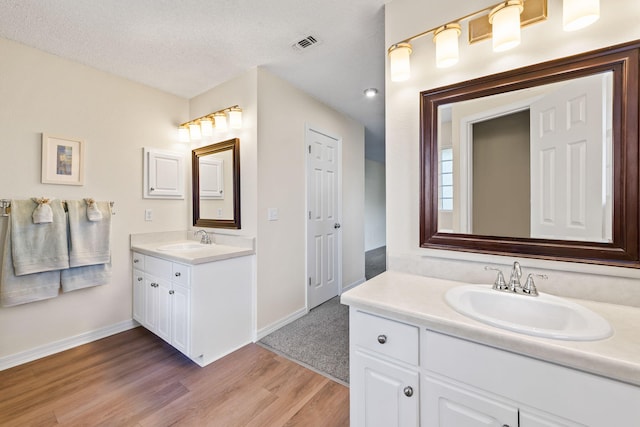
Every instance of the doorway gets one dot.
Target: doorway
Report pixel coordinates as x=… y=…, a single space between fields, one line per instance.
x=324 y=213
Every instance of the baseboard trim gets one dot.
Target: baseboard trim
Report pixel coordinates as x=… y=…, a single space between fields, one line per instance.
x=280 y=323
x=354 y=284
x=16 y=359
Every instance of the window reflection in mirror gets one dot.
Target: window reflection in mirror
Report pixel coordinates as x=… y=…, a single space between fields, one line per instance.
x=531 y=163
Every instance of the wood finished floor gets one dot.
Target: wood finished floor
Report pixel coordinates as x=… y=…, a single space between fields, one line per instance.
x=136 y=379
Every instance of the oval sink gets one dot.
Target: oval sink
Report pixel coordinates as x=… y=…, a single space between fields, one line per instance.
x=543 y=316
x=187 y=246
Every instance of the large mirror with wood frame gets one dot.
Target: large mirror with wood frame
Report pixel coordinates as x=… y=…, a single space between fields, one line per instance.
x=539 y=162
x=216 y=185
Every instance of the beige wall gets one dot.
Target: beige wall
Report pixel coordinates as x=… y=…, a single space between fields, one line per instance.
x=375 y=209
x=541 y=42
x=116 y=118
x=284 y=113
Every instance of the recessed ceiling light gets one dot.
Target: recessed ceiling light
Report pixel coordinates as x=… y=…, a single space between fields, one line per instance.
x=371 y=92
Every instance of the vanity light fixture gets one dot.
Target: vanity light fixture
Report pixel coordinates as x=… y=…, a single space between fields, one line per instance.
x=500 y=22
x=196 y=129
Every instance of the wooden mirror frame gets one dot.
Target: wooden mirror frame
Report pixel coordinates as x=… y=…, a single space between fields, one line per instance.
x=623 y=60
x=231 y=144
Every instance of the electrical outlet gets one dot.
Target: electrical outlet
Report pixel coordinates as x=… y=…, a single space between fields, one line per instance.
x=219 y=212
x=148 y=215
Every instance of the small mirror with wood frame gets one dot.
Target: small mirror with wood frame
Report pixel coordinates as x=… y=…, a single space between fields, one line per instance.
x=216 y=185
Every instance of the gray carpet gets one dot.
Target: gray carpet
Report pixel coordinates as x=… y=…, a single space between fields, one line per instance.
x=319 y=340
x=375 y=262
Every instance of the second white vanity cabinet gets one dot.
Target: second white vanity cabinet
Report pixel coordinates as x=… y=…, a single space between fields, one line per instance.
x=202 y=310
x=462 y=383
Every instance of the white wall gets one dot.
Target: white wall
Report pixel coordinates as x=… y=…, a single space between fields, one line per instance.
x=540 y=42
x=284 y=113
x=116 y=118
x=375 y=228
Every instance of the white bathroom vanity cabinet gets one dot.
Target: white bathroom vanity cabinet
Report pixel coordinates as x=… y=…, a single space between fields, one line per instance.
x=204 y=310
x=416 y=362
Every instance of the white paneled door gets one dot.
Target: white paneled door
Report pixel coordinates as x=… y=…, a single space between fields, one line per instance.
x=569 y=196
x=323 y=217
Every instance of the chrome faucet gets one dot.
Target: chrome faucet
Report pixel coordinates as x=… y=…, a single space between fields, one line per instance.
x=206 y=239
x=514 y=285
x=514 y=280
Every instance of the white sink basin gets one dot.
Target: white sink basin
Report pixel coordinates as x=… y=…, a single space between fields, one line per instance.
x=180 y=247
x=544 y=316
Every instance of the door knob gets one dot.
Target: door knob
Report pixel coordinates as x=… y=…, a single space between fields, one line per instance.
x=337 y=225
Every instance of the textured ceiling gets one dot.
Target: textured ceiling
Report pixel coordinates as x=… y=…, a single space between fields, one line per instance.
x=186 y=47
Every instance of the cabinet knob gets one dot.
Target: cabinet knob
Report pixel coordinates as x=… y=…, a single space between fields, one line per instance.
x=408 y=391
x=139 y=279
x=152 y=189
x=177 y=274
x=154 y=285
x=135 y=261
x=171 y=292
x=382 y=339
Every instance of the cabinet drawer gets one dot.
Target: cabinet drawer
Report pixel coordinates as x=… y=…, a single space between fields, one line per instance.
x=138 y=261
x=158 y=267
x=385 y=336
x=180 y=274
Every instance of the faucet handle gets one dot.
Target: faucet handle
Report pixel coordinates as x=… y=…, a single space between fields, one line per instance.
x=500 y=284
x=529 y=288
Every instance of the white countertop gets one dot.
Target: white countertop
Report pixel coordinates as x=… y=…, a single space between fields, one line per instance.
x=420 y=300
x=208 y=253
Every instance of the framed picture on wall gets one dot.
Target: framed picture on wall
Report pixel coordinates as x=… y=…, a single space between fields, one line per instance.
x=62 y=160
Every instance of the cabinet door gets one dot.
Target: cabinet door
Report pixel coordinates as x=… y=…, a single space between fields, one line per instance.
x=383 y=394
x=446 y=404
x=150 y=303
x=180 y=315
x=138 y=296
x=163 y=174
x=164 y=309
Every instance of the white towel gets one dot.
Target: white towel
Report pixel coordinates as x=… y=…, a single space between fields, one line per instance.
x=89 y=241
x=38 y=247
x=84 y=277
x=15 y=290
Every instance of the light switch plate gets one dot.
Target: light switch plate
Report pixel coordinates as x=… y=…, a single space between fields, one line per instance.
x=272 y=214
x=148 y=215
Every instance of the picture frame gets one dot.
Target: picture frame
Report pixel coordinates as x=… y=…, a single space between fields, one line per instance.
x=62 y=160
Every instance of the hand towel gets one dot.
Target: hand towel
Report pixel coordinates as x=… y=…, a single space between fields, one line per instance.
x=15 y=290
x=42 y=214
x=38 y=247
x=93 y=213
x=83 y=277
x=89 y=241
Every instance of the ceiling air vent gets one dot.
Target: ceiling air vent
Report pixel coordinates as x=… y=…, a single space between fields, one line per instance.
x=305 y=43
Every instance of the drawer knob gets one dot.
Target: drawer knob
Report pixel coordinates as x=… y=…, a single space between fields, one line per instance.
x=382 y=339
x=177 y=274
x=408 y=391
x=171 y=292
x=135 y=261
x=139 y=279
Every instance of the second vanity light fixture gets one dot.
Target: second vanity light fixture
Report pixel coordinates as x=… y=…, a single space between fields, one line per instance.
x=196 y=129
x=501 y=23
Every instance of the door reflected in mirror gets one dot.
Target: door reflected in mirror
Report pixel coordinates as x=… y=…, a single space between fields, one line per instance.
x=216 y=185
x=531 y=163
